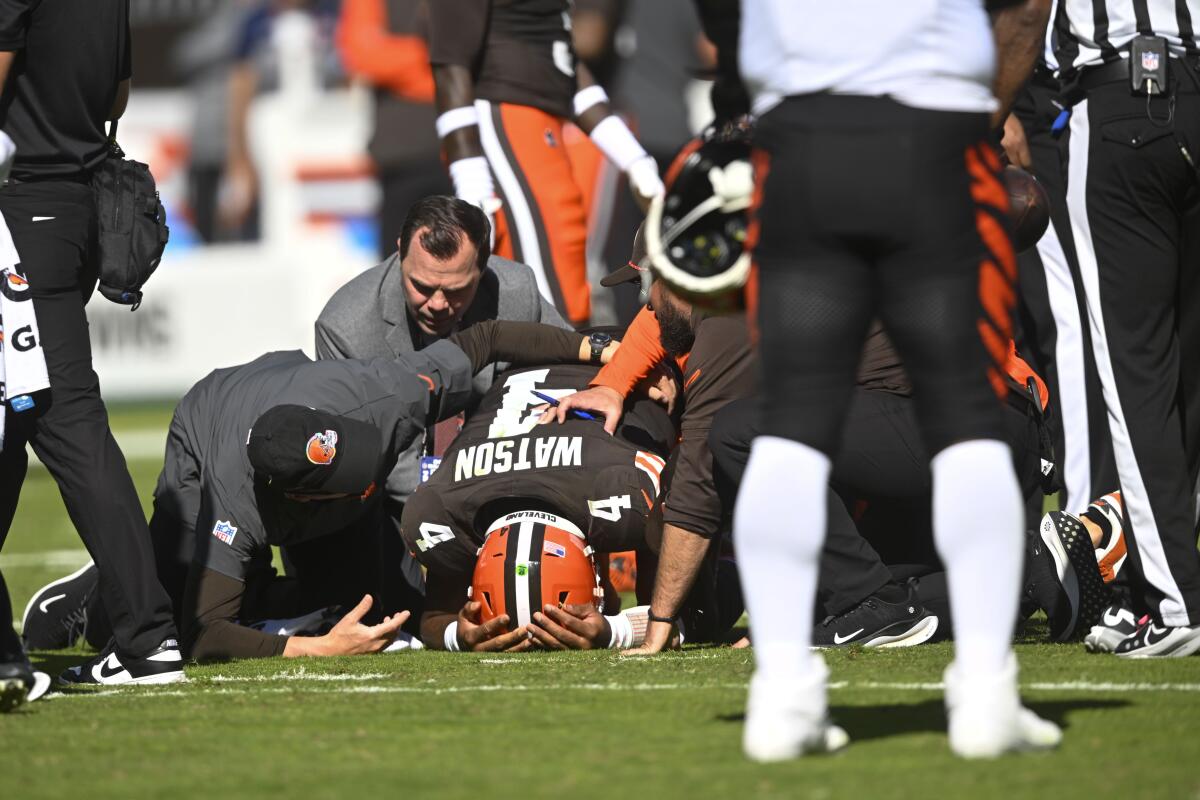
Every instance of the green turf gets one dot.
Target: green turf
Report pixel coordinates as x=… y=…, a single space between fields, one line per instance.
x=566 y=726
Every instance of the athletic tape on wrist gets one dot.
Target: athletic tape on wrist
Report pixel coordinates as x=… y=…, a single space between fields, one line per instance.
x=455 y=118
x=622 y=631
x=616 y=141
x=450 y=637
x=586 y=98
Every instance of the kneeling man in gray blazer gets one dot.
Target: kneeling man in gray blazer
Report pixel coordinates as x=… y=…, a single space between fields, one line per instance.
x=440 y=281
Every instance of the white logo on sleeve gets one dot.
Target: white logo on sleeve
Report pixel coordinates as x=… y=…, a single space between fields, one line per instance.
x=224 y=531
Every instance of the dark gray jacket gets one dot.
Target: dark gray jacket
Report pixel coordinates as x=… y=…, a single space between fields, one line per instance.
x=217 y=414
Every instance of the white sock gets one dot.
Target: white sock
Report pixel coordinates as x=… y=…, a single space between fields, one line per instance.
x=978 y=521
x=778 y=529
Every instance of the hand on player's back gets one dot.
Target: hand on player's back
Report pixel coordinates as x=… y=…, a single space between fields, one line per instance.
x=491 y=636
x=572 y=627
x=351 y=638
x=598 y=399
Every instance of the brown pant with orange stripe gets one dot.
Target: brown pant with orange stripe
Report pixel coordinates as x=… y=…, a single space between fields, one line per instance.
x=874 y=209
x=544 y=219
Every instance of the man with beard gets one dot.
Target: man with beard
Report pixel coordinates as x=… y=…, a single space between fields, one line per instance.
x=716 y=362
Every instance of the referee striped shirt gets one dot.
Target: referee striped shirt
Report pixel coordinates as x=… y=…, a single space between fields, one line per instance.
x=1090 y=32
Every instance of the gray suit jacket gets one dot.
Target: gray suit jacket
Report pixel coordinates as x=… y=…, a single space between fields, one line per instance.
x=368 y=318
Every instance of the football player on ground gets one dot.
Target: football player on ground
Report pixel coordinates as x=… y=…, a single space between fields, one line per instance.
x=504 y=462
x=507 y=80
x=287 y=451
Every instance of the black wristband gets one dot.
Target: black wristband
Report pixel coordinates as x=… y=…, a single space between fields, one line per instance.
x=650 y=615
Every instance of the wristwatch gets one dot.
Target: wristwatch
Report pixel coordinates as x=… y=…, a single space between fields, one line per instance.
x=598 y=341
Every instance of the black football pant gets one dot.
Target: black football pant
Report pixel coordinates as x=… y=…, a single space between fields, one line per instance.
x=53 y=225
x=10 y=645
x=1051 y=319
x=1133 y=198
x=879 y=498
x=879 y=210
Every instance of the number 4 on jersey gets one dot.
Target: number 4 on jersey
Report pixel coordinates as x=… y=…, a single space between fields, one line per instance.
x=610 y=507
x=432 y=535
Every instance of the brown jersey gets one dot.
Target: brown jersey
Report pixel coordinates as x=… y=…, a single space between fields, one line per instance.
x=519 y=51
x=503 y=461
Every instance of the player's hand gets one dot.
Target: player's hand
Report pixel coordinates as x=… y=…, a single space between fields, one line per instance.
x=600 y=399
x=489 y=637
x=661 y=387
x=1016 y=146
x=472 y=179
x=659 y=636
x=351 y=638
x=645 y=181
x=572 y=627
x=8 y=151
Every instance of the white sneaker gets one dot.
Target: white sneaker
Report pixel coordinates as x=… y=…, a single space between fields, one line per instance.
x=987 y=719
x=786 y=719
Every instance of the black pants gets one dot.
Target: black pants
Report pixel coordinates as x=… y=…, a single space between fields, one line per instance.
x=880 y=493
x=868 y=213
x=1052 y=329
x=401 y=187
x=70 y=433
x=10 y=645
x=1133 y=201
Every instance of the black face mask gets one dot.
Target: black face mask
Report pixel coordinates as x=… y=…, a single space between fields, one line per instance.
x=675 y=330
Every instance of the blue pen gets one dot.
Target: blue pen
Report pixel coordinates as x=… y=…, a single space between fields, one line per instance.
x=553 y=402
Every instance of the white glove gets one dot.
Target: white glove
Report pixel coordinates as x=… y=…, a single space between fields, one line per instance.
x=472 y=180
x=645 y=181
x=618 y=143
x=8 y=151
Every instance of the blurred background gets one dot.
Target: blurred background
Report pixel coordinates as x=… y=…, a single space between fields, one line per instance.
x=280 y=133
x=287 y=138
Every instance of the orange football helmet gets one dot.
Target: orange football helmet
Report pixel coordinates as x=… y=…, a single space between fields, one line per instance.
x=530 y=559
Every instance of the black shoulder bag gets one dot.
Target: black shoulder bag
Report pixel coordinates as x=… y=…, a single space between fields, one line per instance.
x=132 y=223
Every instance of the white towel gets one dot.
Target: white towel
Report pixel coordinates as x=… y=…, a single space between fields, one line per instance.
x=22 y=361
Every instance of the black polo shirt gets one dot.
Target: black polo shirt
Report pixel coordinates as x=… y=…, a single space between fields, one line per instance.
x=71 y=55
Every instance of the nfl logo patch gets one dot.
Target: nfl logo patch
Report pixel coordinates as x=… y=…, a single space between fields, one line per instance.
x=1150 y=61
x=225 y=532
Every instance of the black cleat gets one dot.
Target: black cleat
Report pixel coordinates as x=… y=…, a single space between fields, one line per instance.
x=1117 y=623
x=1160 y=641
x=56 y=616
x=877 y=623
x=16 y=682
x=110 y=668
x=1071 y=549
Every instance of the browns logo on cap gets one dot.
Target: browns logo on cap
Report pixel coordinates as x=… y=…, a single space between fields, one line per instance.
x=294 y=448
x=322 y=447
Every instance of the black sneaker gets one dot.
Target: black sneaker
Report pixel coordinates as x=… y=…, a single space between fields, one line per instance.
x=1062 y=576
x=1160 y=641
x=1117 y=623
x=56 y=616
x=16 y=682
x=877 y=623
x=110 y=668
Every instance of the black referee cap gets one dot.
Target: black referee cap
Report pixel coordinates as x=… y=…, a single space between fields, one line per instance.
x=300 y=449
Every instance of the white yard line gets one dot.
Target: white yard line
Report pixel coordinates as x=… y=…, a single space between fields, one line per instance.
x=199 y=687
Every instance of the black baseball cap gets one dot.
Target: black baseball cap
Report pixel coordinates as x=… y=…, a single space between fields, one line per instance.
x=300 y=449
x=626 y=274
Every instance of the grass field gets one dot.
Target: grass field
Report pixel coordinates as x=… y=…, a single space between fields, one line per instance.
x=577 y=725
